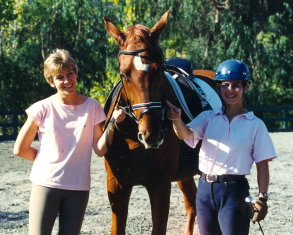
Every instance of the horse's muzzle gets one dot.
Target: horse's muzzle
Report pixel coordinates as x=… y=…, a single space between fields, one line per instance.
x=150 y=142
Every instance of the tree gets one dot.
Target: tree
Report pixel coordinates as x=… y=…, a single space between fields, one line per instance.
x=260 y=34
x=205 y=32
x=40 y=27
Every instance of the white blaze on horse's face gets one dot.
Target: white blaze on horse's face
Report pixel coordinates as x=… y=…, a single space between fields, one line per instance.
x=139 y=65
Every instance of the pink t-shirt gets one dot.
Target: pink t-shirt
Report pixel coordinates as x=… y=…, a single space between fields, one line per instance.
x=65 y=137
x=230 y=147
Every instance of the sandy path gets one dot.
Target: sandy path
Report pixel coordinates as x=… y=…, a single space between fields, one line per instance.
x=15 y=192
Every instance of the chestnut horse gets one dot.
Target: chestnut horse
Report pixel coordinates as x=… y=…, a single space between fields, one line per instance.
x=145 y=150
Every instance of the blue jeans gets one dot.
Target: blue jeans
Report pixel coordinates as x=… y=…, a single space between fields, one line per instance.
x=222 y=209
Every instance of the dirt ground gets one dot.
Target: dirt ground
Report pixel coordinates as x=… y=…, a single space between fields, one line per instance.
x=15 y=192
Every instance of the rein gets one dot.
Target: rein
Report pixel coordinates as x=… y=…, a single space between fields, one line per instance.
x=147 y=107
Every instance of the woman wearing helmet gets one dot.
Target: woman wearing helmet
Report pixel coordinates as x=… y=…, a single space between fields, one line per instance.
x=232 y=140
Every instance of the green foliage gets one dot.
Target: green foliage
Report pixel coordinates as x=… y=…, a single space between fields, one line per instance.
x=206 y=32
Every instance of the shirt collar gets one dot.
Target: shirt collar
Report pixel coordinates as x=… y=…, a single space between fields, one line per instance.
x=249 y=115
x=219 y=111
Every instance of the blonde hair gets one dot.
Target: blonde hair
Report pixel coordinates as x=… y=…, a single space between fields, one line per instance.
x=57 y=61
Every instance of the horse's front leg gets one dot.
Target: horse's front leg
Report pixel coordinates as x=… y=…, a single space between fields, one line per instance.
x=188 y=188
x=119 y=201
x=159 y=194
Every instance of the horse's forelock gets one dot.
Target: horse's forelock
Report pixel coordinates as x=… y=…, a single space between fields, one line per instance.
x=138 y=33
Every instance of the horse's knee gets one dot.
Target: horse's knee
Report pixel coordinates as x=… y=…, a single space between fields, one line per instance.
x=113 y=185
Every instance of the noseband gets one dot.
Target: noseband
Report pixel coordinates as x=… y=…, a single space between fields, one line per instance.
x=145 y=106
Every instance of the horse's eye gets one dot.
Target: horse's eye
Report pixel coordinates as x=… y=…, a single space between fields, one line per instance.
x=123 y=76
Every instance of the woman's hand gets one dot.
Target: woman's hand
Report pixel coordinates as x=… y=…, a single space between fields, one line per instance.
x=181 y=130
x=173 y=113
x=102 y=140
x=119 y=115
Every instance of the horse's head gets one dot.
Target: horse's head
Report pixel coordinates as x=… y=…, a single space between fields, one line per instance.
x=141 y=62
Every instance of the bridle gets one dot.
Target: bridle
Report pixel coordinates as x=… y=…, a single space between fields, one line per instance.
x=146 y=107
x=135 y=52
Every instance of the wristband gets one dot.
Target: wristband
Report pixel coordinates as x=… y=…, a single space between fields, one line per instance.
x=264 y=195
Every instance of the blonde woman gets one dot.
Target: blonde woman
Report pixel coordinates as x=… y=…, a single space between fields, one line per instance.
x=69 y=127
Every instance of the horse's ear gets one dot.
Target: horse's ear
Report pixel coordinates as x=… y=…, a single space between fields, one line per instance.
x=159 y=26
x=114 y=31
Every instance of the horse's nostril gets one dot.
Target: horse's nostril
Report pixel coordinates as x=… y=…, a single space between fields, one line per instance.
x=140 y=136
x=155 y=146
x=151 y=142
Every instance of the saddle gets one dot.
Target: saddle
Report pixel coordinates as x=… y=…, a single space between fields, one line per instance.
x=179 y=80
x=178 y=77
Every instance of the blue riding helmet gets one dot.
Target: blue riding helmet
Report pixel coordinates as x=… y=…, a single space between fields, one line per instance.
x=182 y=64
x=232 y=70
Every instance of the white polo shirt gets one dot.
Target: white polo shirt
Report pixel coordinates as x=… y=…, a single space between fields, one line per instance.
x=230 y=147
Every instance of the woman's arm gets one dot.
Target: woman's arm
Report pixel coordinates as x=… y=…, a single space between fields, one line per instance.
x=100 y=137
x=263 y=180
x=181 y=130
x=263 y=176
x=26 y=136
